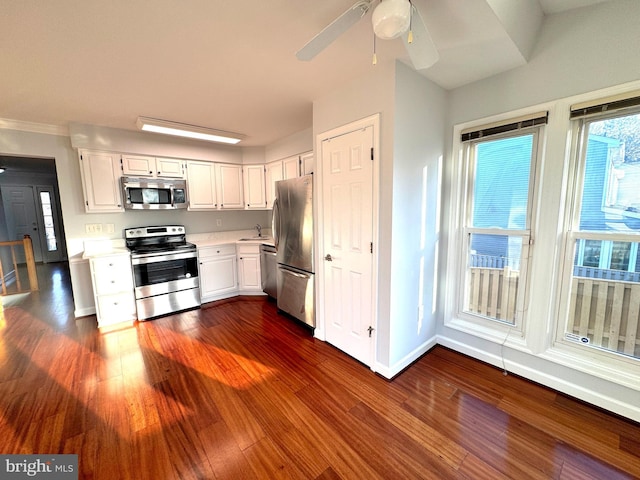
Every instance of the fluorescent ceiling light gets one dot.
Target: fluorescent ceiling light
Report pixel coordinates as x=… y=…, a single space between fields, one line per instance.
x=190 y=131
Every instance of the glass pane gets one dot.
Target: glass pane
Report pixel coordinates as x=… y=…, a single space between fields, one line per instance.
x=604 y=309
x=47 y=216
x=610 y=193
x=619 y=260
x=493 y=275
x=620 y=253
x=501 y=185
x=592 y=249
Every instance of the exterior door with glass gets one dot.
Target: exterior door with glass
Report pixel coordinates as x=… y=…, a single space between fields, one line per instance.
x=31 y=211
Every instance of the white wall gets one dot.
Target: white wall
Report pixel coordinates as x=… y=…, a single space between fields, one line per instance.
x=578 y=51
x=299 y=142
x=419 y=132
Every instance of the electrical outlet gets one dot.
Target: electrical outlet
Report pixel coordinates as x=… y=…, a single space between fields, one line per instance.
x=93 y=227
x=218 y=222
x=110 y=228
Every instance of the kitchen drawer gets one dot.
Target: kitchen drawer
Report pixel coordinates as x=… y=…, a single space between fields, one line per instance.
x=217 y=250
x=117 y=308
x=111 y=274
x=248 y=249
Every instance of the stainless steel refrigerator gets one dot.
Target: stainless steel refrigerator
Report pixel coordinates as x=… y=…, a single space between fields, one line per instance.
x=293 y=239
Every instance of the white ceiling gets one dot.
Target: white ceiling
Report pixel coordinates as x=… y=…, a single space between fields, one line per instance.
x=228 y=65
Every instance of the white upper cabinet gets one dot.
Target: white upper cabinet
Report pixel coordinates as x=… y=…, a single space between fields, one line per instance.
x=143 y=166
x=291 y=167
x=272 y=174
x=229 y=186
x=100 y=173
x=169 y=167
x=307 y=163
x=201 y=185
x=254 y=187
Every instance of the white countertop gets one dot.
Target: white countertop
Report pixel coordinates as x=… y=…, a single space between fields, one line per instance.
x=104 y=247
x=222 y=238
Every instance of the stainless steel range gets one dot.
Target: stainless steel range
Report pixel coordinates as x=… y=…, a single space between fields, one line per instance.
x=165 y=270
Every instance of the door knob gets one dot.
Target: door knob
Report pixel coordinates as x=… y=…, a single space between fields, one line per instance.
x=328 y=257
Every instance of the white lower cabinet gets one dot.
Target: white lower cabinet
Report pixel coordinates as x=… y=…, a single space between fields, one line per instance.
x=112 y=279
x=249 y=269
x=218 y=272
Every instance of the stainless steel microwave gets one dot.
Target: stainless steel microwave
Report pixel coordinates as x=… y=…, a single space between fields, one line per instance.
x=154 y=193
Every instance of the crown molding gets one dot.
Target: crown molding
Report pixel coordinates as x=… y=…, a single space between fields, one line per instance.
x=20 y=125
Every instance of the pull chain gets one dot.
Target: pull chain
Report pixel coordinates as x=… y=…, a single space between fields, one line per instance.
x=410 y=34
x=374 y=60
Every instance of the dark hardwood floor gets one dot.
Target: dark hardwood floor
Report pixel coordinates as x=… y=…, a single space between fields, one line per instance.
x=236 y=391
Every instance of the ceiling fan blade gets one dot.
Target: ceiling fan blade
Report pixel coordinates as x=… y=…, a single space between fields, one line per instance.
x=332 y=31
x=422 y=50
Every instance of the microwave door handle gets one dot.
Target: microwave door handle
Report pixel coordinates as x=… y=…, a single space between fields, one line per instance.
x=172 y=196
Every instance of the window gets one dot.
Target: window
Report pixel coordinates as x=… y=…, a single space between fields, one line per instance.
x=47 y=216
x=500 y=165
x=604 y=281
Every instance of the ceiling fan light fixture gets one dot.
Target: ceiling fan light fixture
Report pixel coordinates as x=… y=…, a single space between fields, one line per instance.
x=166 y=127
x=391 y=18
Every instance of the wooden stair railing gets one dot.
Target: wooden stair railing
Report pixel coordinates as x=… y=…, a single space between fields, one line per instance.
x=30 y=261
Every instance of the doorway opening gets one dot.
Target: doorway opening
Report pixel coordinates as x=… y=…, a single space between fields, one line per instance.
x=30 y=201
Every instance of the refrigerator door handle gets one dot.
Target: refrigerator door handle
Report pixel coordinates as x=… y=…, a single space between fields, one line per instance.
x=275 y=224
x=294 y=274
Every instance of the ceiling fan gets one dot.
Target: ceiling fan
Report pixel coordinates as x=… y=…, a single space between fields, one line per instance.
x=390 y=19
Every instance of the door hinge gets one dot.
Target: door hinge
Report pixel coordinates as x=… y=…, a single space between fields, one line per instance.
x=371 y=153
x=370 y=329
x=371 y=247
x=81 y=157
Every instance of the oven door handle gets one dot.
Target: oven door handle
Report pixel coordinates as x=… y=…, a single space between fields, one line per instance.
x=163 y=257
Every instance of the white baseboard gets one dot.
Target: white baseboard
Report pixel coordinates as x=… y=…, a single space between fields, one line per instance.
x=594 y=397
x=83 y=312
x=395 y=369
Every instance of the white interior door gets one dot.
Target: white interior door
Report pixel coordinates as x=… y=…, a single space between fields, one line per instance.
x=347 y=226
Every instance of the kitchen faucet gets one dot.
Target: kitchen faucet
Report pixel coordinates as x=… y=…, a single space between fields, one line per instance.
x=259 y=228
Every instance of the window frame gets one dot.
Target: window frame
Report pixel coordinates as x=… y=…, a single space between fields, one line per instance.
x=579 y=132
x=468 y=149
